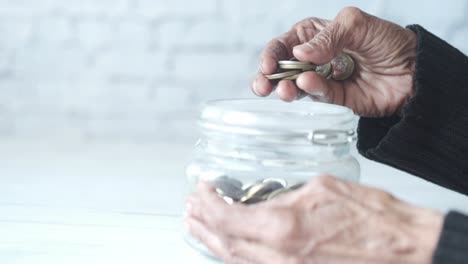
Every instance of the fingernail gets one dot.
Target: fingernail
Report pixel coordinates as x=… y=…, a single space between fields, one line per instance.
x=254 y=86
x=188 y=208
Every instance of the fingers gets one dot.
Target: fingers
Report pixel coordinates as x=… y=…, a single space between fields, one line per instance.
x=208 y=238
x=281 y=49
x=346 y=31
x=262 y=86
x=287 y=90
x=232 y=249
x=277 y=49
x=238 y=220
x=321 y=89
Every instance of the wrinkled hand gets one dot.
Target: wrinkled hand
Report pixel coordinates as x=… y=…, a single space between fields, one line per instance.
x=326 y=221
x=384 y=54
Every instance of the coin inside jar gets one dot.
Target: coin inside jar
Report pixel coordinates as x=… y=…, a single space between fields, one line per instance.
x=228 y=187
x=258 y=190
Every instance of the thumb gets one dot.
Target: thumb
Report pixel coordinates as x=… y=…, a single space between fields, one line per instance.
x=345 y=31
x=325 y=46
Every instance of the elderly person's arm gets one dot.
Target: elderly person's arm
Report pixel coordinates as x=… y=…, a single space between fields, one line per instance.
x=411 y=90
x=429 y=138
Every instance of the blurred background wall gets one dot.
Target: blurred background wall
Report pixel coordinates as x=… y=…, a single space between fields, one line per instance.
x=137 y=69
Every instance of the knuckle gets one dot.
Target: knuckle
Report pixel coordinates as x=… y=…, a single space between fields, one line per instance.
x=232 y=251
x=303 y=23
x=353 y=16
x=323 y=181
x=384 y=197
x=219 y=219
x=326 y=38
x=290 y=229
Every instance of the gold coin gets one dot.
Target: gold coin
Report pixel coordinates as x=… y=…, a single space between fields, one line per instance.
x=294 y=77
x=254 y=199
x=258 y=190
x=281 y=75
x=277 y=193
x=296 y=65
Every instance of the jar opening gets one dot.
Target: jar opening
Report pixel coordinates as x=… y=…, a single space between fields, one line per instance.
x=276 y=121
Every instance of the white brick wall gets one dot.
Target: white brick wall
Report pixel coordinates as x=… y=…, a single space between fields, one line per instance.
x=137 y=69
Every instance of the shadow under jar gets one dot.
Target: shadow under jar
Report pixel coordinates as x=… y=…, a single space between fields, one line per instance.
x=254 y=150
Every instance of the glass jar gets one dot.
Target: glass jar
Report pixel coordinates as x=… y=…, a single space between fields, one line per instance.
x=253 y=150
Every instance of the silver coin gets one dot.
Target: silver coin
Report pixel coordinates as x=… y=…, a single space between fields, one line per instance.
x=293 y=62
x=324 y=70
x=283 y=182
x=233 y=181
x=228 y=187
x=281 y=75
x=343 y=67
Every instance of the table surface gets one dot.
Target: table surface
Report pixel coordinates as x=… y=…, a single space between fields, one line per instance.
x=114 y=202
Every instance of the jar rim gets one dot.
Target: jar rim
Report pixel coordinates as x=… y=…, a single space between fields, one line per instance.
x=275 y=114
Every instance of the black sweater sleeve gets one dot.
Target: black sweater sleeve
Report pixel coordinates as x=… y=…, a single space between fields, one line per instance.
x=429 y=138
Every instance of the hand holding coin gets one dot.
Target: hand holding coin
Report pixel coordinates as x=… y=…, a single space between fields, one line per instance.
x=356 y=60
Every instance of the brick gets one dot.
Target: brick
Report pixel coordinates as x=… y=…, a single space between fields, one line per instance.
x=259 y=33
x=92 y=7
x=137 y=128
x=26 y=7
x=43 y=27
x=158 y=8
x=16 y=32
x=6 y=62
x=169 y=33
x=17 y=96
x=173 y=98
x=131 y=63
x=219 y=65
x=131 y=34
x=94 y=34
x=49 y=63
x=210 y=33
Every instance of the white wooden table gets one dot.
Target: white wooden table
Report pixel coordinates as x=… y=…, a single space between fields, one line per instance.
x=121 y=203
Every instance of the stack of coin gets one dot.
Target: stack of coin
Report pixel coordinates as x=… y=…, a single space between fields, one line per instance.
x=291 y=69
x=233 y=191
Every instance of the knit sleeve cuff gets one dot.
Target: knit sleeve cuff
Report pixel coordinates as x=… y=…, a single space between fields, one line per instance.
x=432 y=128
x=453 y=243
